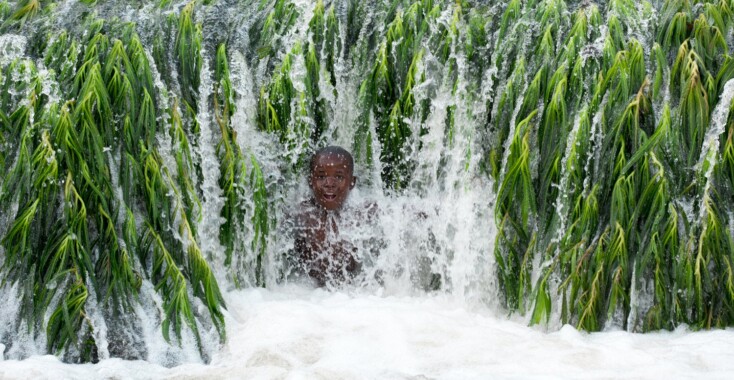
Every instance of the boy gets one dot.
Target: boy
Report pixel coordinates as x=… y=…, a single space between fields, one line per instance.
x=320 y=251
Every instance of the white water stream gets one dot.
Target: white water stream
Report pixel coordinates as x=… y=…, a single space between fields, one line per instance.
x=294 y=332
x=395 y=330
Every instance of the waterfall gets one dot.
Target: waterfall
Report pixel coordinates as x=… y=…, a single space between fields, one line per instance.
x=570 y=162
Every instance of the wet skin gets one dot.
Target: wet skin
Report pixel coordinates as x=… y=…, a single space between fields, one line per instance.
x=331 y=180
x=324 y=256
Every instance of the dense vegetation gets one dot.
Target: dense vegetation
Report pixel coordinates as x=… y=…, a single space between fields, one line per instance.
x=604 y=126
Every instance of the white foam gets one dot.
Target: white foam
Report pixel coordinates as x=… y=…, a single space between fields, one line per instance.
x=12 y=46
x=298 y=333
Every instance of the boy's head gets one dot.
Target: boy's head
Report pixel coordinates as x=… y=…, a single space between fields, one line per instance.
x=332 y=176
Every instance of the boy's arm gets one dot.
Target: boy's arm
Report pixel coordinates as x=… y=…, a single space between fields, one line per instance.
x=294 y=230
x=345 y=254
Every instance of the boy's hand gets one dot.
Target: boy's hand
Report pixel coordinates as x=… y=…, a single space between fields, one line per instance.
x=343 y=256
x=337 y=261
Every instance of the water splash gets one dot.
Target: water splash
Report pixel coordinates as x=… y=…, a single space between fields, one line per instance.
x=437 y=233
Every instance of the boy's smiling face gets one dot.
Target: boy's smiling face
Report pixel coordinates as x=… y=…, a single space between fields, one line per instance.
x=331 y=179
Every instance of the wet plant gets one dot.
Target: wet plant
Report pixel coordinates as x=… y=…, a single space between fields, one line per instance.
x=603 y=129
x=85 y=182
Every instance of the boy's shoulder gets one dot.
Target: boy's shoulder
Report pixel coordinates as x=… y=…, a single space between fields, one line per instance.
x=365 y=211
x=308 y=209
x=305 y=212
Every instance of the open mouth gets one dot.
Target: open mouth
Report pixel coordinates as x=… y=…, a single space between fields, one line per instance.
x=329 y=197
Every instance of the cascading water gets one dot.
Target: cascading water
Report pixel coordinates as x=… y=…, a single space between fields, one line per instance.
x=570 y=161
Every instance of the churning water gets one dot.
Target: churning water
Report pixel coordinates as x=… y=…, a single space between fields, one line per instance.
x=522 y=157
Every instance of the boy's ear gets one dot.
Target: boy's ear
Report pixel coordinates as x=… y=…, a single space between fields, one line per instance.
x=354 y=183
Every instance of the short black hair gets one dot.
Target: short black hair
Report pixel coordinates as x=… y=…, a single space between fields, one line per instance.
x=336 y=150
